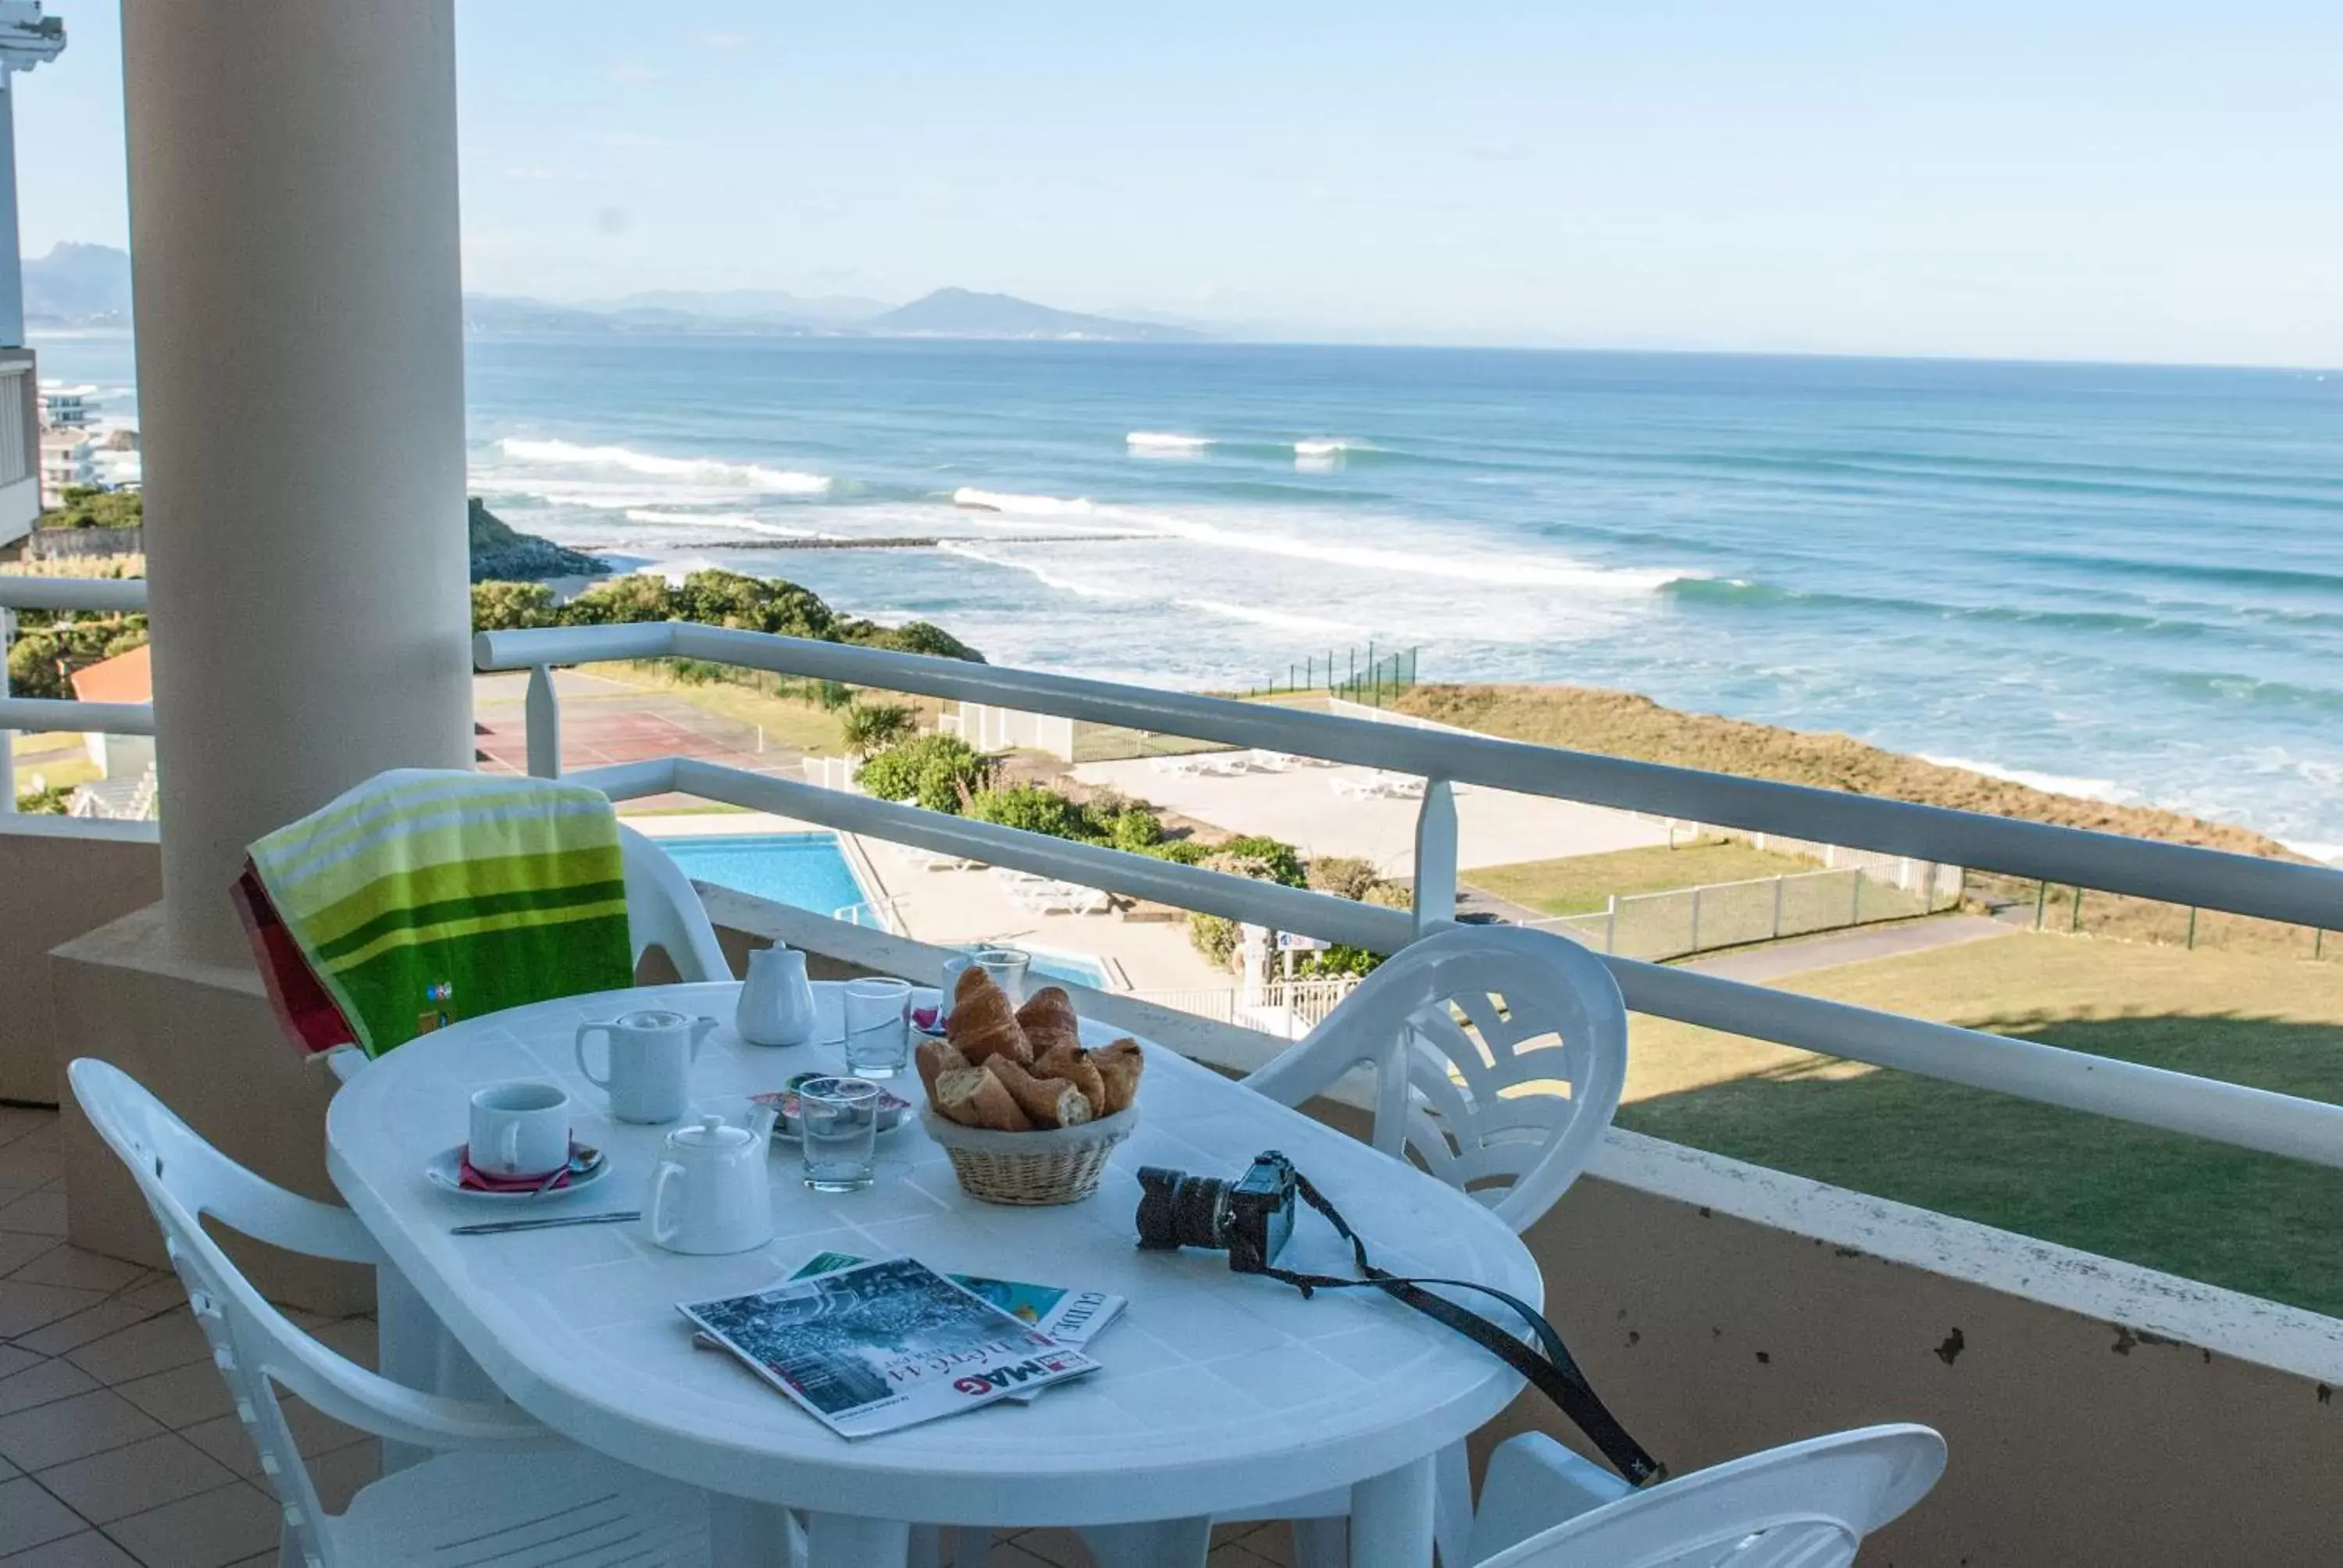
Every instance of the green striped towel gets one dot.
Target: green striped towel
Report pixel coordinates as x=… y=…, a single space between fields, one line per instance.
x=422 y=897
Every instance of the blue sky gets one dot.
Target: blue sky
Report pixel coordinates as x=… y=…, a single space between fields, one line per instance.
x=2080 y=179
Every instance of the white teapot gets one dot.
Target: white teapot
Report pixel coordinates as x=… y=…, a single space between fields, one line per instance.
x=712 y=1192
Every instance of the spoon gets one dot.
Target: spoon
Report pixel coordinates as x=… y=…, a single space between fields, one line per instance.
x=583 y=1159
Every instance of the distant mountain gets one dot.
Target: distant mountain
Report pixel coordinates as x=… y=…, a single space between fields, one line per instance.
x=754 y=303
x=963 y=313
x=78 y=286
x=504 y=315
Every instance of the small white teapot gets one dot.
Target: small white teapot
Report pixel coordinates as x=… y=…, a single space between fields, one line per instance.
x=776 y=1004
x=712 y=1192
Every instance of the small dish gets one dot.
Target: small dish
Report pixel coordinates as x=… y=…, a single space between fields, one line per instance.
x=892 y=1107
x=444 y=1172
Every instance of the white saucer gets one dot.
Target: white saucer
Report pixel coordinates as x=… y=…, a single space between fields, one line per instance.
x=444 y=1172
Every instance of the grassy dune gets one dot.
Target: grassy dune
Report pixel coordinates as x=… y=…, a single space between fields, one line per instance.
x=1622 y=724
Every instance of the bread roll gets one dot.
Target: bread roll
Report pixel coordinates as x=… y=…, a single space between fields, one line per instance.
x=1049 y=1021
x=1120 y=1065
x=1073 y=1065
x=1050 y=1102
x=982 y=1023
x=934 y=1058
x=975 y=1097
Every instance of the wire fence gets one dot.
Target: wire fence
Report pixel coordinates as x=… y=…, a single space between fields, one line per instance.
x=1372 y=679
x=1286 y=1009
x=1681 y=921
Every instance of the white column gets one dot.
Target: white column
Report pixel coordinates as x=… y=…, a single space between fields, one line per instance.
x=293 y=208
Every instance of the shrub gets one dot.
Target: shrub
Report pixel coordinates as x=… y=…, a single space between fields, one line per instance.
x=1278 y=860
x=1345 y=876
x=1032 y=809
x=1136 y=829
x=512 y=607
x=936 y=770
x=869 y=726
x=911 y=637
x=49 y=801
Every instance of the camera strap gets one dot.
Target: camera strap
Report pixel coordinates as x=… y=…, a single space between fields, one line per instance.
x=1553 y=1373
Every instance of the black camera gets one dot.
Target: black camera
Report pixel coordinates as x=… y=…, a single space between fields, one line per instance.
x=1249 y=1219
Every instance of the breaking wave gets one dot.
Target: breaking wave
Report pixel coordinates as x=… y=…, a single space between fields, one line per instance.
x=1022 y=505
x=707 y=470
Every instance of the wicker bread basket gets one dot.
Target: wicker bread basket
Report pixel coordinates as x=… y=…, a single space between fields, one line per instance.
x=1048 y=1165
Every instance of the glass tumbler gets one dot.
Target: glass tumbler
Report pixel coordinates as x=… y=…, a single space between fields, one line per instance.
x=878 y=1034
x=1009 y=968
x=837 y=1122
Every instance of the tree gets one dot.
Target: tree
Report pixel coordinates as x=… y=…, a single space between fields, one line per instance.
x=869 y=727
x=938 y=771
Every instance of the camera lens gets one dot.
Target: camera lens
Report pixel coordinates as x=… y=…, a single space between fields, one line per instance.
x=1177 y=1210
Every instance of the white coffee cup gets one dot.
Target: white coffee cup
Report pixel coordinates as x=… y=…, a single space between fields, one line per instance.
x=650 y=1054
x=519 y=1129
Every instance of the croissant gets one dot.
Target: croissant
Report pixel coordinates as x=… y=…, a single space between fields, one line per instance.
x=1073 y=1065
x=1120 y=1065
x=975 y=1097
x=982 y=1023
x=1049 y=1021
x=1050 y=1102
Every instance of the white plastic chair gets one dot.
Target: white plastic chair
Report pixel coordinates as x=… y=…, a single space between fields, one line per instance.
x=1473 y=1034
x=1803 y=1506
x=516 y=1493
x=664 y=911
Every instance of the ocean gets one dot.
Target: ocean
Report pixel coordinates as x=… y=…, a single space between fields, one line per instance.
x=2123 y=582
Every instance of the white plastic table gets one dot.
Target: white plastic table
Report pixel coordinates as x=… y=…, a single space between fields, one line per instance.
x=1218 y=1391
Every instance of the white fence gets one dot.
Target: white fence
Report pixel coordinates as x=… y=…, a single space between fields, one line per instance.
x=1286 y=1009
x=2226 y=1112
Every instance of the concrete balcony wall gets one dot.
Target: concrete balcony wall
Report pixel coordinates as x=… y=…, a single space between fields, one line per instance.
x=2095 y=1412
x=59 y=877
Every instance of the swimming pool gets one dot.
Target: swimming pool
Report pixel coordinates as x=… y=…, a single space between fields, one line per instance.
x=809 y=872
x=806 y=870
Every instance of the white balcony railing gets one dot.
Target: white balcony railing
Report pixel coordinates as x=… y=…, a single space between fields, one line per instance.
x=2226 y=1112
x=36 y=714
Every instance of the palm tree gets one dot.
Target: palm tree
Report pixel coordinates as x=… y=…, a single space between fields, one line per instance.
x=872 y=726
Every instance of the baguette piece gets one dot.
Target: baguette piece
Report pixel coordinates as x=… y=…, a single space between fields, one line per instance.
x=1049 y=1021
x=975 y=1097
x=934 y=1058
x=1050 y=1102
x=982 y=1023
x=1120 y=1065
x=1073 y=1065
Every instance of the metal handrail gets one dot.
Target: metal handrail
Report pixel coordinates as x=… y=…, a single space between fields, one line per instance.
x=2207 y=1108
x=2177 y=873
x=116 y=595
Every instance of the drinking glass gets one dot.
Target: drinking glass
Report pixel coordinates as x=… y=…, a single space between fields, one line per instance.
x=1007 y=967
x=927 y=1004
x=837 y=1122
x=878 y=1038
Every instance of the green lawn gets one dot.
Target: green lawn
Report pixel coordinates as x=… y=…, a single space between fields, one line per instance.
x=2252 y=1223
x=1580 y=883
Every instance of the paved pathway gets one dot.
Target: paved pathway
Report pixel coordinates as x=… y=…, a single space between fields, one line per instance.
x=1777 y=960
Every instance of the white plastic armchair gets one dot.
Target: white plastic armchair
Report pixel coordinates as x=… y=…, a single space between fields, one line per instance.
x=664 y=911
x=1499 y=1056
x=1803 y=1506
x=516 y=1491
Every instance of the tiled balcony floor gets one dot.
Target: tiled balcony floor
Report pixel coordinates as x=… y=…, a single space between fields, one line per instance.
x=118 y=1443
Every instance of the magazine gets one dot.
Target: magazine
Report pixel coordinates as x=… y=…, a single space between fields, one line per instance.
x=1068 y=1317
x=879 y=1346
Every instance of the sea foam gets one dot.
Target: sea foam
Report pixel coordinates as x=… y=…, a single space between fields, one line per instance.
x=737 y=522
x=705 y=470
x=1022 y=505
x=1495 y=569
x=1165 y=441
